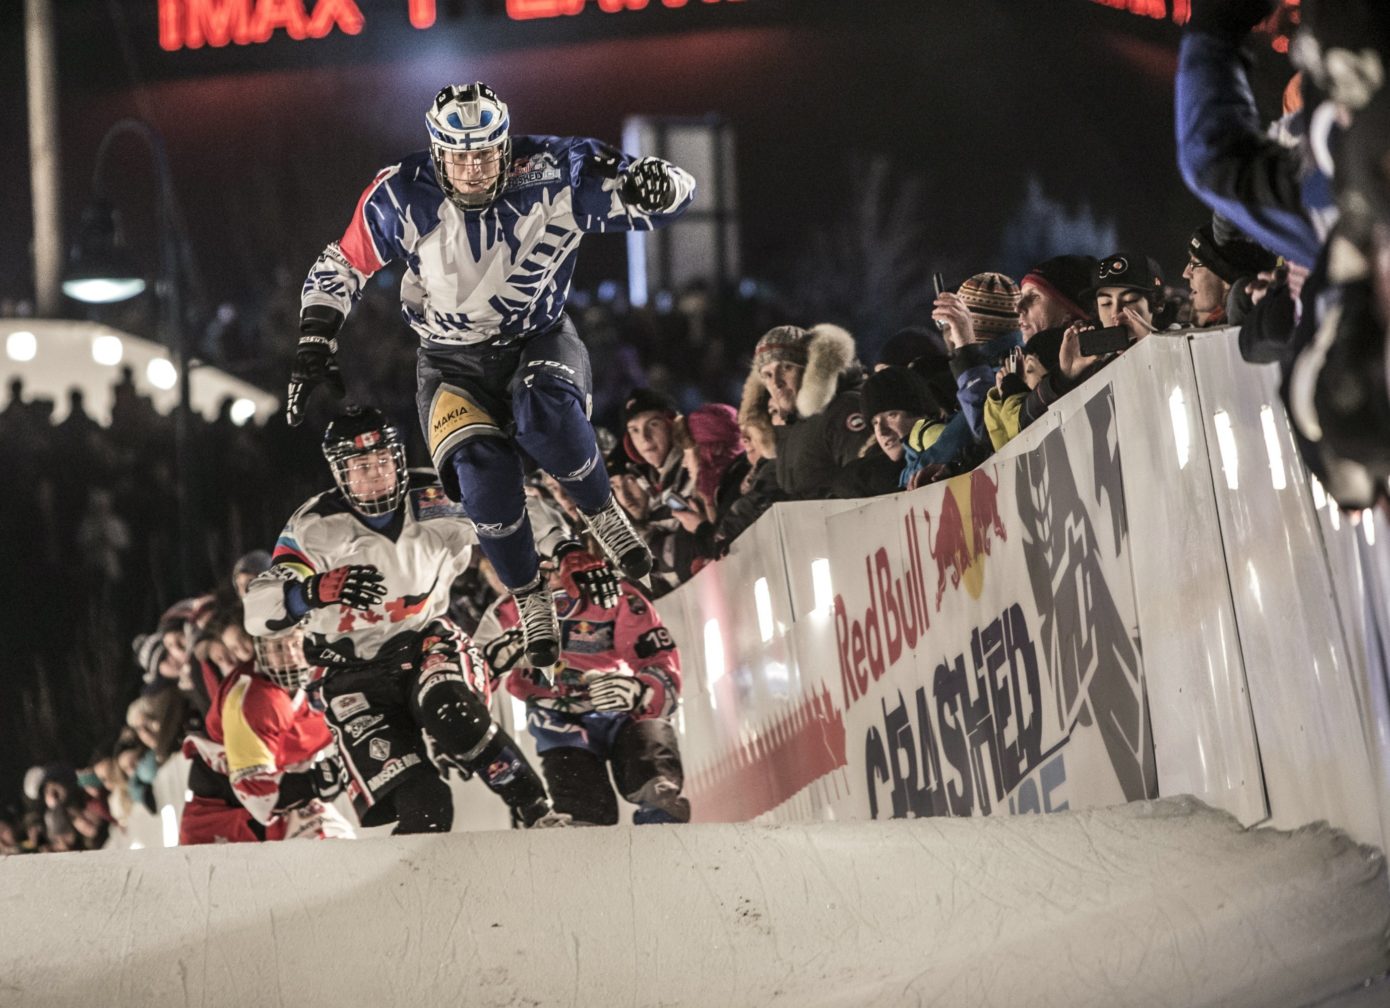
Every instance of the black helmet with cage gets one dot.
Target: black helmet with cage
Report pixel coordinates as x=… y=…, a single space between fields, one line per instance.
x=359 y=444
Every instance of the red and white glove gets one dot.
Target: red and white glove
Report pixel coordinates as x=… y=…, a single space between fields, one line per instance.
x=586 y=576
x=358 y=586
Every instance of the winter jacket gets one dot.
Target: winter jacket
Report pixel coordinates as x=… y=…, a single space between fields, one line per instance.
x=829 y=427
x=974 y=366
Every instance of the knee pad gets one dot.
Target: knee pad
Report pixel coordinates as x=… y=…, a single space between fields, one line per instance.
x=455 y=718
x=423 y=804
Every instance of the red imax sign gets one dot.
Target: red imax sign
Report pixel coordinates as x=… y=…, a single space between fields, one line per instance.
x=191 y=24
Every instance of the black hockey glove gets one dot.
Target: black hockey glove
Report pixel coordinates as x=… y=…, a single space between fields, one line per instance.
x=314 y=360
x=614 y=691
x=329 y=775
x=504 y=651
x=358 y=586
x=586 y=576
x=647 y=185
x=1232 y=19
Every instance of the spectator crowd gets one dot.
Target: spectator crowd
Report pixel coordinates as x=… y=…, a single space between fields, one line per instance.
x=710 y=409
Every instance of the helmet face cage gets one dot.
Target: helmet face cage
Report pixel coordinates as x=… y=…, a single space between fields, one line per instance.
x=469 y=118
x=340 y=463
x=281 y=659
x=364 y=431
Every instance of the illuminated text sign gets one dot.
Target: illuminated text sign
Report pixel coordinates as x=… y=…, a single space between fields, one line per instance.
x=192 y=24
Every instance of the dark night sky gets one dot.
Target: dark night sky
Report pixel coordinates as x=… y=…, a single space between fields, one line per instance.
x=271 y=144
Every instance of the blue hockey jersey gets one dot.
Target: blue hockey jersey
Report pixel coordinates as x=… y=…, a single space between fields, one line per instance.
x=473 y=276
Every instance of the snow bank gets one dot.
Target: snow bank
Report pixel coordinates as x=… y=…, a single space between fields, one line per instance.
x=1153 y=903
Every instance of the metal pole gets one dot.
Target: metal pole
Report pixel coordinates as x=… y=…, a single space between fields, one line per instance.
x=172 y=329
x=42 y=84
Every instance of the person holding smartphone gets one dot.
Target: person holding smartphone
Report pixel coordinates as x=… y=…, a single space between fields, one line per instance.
x=1129 y=295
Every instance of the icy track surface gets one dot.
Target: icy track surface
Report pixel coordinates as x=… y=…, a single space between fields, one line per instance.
x=1159 y=903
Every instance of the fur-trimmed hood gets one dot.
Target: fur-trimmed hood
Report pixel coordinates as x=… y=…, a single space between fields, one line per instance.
x=830 y=358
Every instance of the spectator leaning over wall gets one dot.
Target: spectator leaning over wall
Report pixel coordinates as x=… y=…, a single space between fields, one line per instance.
x=1218 y=271
x=804 y=388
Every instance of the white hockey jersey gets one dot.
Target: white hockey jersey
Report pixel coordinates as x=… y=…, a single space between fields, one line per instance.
x=425 y=547
x=476 y=275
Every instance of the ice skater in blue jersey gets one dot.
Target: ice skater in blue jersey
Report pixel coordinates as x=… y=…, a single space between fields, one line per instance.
x=487 y=225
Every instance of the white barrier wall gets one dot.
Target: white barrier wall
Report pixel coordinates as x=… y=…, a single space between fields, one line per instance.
x=1144 y=594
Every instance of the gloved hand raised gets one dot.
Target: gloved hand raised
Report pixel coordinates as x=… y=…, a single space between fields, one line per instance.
x=314 y=364
x=647 y=185
x=586 y=576
x=358 y=586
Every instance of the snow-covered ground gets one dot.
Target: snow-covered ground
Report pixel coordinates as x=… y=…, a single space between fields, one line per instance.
x=1155 y=903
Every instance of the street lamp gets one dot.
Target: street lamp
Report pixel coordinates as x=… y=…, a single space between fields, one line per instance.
x=102 y=271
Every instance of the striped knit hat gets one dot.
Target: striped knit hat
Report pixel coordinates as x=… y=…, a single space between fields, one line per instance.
x=992 y=299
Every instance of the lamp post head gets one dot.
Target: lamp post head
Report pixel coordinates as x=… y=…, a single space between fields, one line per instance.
x=101 y=270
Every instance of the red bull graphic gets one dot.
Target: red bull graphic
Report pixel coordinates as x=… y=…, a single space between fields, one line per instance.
x=897 y=615
x=894 y=620
x=963 y=536
x=795 y=750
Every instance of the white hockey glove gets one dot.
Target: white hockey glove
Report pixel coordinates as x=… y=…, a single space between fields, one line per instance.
x=613 y=691
x=647 y=185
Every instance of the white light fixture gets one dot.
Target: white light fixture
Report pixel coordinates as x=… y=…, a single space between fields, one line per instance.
x=1182 y=436
x=161 y=373
x=103 y=290
x=1276 y=454
x=21 y=345
x=714 y=657
x=763 y=598
x=1226 y=441
x=820 y=578
x=108 y=350
x=170 y=821
x=242 y=410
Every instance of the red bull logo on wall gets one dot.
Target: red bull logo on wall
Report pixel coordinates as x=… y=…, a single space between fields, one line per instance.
x=898 y=615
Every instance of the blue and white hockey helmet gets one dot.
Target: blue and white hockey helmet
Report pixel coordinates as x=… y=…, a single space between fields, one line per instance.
x=470 y=143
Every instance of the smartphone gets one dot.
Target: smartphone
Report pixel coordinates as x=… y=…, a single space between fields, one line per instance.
x=938 y=282
x=675 y=502
x=1098 y=342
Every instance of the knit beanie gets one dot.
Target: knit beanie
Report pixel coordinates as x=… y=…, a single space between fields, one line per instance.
x=913 y=343
x=1230 y=259
x=1067 y=278
x=645 y=400
x=992 y=299
x=1046 y=346
x=784 y=343
x=714 y=429
x=896 y=388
